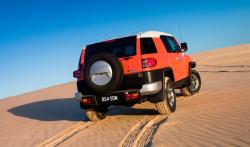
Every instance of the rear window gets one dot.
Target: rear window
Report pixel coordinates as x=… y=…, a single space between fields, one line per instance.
x=122 y=47
x=147 y=46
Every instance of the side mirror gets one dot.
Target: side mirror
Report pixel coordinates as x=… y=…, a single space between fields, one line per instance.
x=184 y=47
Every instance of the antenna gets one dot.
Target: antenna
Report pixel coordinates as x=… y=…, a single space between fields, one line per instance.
x=179 y=28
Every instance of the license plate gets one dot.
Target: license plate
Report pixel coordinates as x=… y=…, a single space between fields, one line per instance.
x=109 y=98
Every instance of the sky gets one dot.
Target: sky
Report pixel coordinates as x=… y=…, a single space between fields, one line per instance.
x=41 y=41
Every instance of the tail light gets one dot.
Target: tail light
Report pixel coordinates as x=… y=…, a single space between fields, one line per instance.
x=77 y=74
x=148 y=62
x=88 y=100
x=131 y=96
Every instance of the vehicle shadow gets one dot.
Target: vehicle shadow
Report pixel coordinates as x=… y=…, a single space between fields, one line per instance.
x=69 y=109
x=51 y=110
x=122 y=110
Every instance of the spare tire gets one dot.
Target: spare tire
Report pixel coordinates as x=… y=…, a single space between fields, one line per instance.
x=103 y=73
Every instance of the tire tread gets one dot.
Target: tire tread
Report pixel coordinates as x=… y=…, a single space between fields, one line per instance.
x=93 y=115
x=162 y=107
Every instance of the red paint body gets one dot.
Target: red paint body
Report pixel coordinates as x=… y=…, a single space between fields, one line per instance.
x=178 y=61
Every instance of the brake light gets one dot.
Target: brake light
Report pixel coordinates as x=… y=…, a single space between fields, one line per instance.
x=148 y=62
x=131 y=96
x=87 y=100
x=77 y=74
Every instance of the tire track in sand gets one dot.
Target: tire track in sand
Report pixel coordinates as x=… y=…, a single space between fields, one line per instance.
x=65 y=134
x=141 y=134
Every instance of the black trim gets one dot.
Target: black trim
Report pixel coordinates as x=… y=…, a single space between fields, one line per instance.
x=186 y=81
x=135 y=81
x=81 y=86
x=152 y=76
x=132 y=81
x=181 y=83
x=121 y=95
x=192 y=64
x=157 y=75
x=143 y=78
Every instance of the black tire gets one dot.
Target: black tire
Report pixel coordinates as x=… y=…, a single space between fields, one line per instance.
x=94 y=115
x=193 y=86
x=117 y=73
x=168 y=105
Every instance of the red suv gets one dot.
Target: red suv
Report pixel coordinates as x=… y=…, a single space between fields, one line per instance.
x=145 y=67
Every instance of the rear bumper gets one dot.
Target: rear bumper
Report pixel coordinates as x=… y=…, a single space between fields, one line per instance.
x=151 y=88
x=115 y=98
x=119 y=97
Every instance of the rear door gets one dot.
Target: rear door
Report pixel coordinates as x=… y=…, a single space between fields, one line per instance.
x=126 y=49
x=131 y=60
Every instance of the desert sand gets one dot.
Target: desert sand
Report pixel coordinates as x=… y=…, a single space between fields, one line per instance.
x=218 y=116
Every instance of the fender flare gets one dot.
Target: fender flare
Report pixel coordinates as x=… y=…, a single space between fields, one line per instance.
x=159 y=96
x=191 y=66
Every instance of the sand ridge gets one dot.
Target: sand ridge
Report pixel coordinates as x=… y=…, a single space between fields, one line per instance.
x=67 y=133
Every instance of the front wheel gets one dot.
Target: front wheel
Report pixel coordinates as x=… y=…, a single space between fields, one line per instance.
x=194 y=84
x=168 y=105
x=94 y=115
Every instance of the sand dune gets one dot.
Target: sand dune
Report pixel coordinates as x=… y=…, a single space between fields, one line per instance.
x=28 y=119
x=218 y=116
x=235 y=55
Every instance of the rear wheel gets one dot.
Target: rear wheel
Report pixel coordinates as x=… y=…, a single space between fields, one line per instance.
x=193 y=86
x=168 y=105
x=94 y=115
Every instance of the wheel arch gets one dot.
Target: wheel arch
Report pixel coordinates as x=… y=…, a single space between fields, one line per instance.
x=168 y=72
x=192 y=64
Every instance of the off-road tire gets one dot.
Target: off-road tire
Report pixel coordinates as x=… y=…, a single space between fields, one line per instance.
x=117 y=73
x=187 y=91
x=94 y=115
x=164 y=106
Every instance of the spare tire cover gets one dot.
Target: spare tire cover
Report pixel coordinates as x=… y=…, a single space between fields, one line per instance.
x=103 y=73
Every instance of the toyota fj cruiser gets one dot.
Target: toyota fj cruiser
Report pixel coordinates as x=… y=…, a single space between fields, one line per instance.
x=145 y=67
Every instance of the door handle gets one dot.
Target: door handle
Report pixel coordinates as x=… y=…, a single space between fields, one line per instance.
x=126 y=58
x=178 y=59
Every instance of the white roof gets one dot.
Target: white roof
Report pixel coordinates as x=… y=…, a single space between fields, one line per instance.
x=152 y=34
